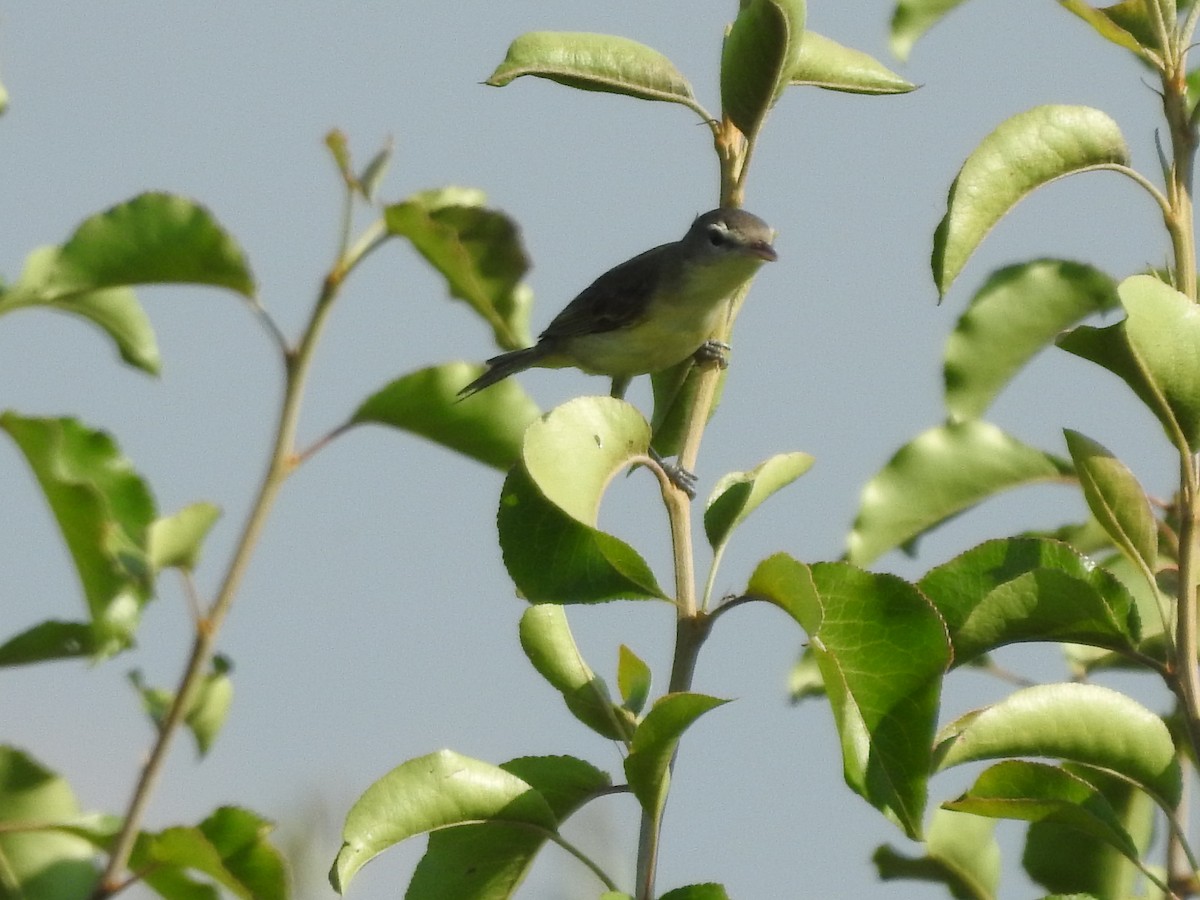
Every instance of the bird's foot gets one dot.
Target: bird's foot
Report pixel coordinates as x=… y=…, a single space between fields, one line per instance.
x=713 y=351
x=676 y=474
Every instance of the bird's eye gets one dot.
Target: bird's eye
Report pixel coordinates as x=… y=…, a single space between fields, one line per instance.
x=716 y=235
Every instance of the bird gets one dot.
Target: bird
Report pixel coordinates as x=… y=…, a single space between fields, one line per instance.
x=651 y=311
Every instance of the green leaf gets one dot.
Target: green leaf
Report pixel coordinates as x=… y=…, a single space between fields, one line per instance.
x=175 y=541
x=825 y=63
x=1118 y=23
x=1065 y=859
x=594 y=62
x=151 y=239
x=230 y=847
x=431 y=792
x=487 y=427
x=1024 y=589
x=884 y=701
x=104 y=510
x=912 y=18
x=961 y=853
x=477 y=250
x=48 y=641
x=1082 y=723
x=1018 y=311
x=114 y=310
x=761 y=51
x=39 y=864
x=939 y=474
x=375 y=170
x=738 y=494
x=491 y=860
x=339 y=149
x=696 y=892
x=804 y=680
x=548 y=643
x=209 y=705
x=633 y=680
x=1162 y=326
x=3 y=99
x=548 y=507
x=649 y=761
x=1022 y=154
x=1115 y=499
x=1035 y=792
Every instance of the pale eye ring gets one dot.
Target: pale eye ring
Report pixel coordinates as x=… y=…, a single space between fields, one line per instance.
x=716 y=235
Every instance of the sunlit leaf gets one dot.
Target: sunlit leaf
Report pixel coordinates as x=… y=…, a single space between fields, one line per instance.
x=1025 y=152
x=1083 y=723
x=939 y=474
x=436 y=791
x=549 y=506
x=176 y=540
x=1125 y=24
x=648 y=764
x=825 y=63
x=477 y=250
x=1115 y=499
x=633 y=679
x=1023 y=589
x=39 y=864
x=912 y=18
x=548 y=643
x=1020 y=310
x=104 y=510
x=738 y=494
x=491 y=860
x=594 y=62
x=487 y=426
x=760 y=53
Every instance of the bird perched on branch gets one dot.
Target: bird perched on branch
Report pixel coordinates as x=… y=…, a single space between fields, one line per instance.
x=651 y=311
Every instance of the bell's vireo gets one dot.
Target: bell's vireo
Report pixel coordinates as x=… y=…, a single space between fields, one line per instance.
x=652 y=311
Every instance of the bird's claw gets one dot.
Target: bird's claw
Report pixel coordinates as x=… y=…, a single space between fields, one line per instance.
x=713 y=351
x=676 y=474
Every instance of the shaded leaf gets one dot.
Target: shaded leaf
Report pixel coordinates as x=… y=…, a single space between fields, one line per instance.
x=477 y=250
x=48 y=641
x=939 y=474
x=1118 y=23
x=825 y=63
x=738 y=494
x=1025 y=589
x=374 y=171
x=633 y=679
x=961 y=853
x=1083 y=723
x=1018 y=311
x=648 y=764
x=804 y=680
x=431 y=792
x=208 y=708
x=487 y=426
x=103 y=509
x=1022 y=154
x=1035 y=792
x=594 y=62
x=696 y=892
x=1064 y=859
x=490 y=860
x=761 y=51
x=548 y=643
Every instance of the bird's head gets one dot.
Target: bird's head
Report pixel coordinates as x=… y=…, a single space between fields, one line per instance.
x=730 y=233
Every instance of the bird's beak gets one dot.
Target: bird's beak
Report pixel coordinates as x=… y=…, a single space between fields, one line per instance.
x=763 y=251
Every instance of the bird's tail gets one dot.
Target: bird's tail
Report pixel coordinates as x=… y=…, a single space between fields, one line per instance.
x=500 y=367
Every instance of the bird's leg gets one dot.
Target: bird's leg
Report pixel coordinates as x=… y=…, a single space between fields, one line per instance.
x=619 y=384
x=676 y=474
x=713 y=351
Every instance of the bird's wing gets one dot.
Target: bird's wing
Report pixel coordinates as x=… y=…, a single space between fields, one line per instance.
x=616 y=299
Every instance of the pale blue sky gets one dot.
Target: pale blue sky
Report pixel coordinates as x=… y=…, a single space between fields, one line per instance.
x=377 y=623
